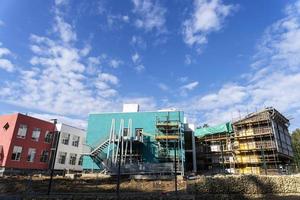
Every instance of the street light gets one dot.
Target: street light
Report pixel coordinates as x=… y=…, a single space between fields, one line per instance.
x=54 y=145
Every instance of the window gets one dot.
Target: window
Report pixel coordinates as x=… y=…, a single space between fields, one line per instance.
x=80 y=161
x=48 y=137
x=22 y=131
x=62 y=157
x=31 y=154
x=72 y=160
x=16 y=155
x=44 y=156
x=65 y=138
x=1 y=153
x=6 y=126
x=125 y=132
x=75 y=141
x=36 y=134
x=138 y=132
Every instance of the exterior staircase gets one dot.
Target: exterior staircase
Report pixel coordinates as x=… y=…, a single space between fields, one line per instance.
x=97 y=154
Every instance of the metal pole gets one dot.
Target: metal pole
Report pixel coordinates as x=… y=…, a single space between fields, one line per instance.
x=175 y=166
x=119 y=171
x=53 y=157
x=222 y=155
x=264 y=160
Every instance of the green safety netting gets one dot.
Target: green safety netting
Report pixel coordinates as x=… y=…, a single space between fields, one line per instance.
x=218 y=129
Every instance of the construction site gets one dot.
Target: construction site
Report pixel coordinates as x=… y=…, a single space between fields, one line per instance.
x=132 y=153
x=257 y=144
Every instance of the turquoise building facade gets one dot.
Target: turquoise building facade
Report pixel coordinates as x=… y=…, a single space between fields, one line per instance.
x=100 y=127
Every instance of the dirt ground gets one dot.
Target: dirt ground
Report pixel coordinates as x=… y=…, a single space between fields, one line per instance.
x=35 y=184
x=104 y=187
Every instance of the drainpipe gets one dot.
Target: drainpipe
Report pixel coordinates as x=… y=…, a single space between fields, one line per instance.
x=194 y=153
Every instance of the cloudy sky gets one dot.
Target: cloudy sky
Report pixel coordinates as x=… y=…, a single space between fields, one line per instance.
x=214 y=59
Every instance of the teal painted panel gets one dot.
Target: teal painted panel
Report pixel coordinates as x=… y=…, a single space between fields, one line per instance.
x=218 y=129
x=99 y=126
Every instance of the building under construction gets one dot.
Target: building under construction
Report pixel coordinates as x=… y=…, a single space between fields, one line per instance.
x=256 y=144
x=139 y=142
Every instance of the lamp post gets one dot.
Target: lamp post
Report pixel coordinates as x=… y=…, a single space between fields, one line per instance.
x=54 y=145
x=175 y=166
x=119 y=170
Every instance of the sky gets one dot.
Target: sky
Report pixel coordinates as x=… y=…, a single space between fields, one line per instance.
x=216 y=60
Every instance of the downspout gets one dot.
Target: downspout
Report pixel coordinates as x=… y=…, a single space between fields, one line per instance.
x=194 y=153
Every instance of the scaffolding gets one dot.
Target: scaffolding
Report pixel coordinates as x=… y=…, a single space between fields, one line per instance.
x=258 y=144
x=170 y=140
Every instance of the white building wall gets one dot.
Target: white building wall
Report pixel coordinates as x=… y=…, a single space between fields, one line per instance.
x=69 y=148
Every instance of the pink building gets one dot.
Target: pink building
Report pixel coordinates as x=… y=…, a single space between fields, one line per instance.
x=25 y=142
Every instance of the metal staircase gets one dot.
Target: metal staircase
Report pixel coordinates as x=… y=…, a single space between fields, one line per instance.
x=97 y=154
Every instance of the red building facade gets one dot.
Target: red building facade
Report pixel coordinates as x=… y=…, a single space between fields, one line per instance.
x=25 y=142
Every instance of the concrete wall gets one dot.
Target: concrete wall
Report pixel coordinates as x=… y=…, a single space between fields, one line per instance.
x=63 y=128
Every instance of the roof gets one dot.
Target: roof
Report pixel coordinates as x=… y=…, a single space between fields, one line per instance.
x=218 y=129
x=272 y=112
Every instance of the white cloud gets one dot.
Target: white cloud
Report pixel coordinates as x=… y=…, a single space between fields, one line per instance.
x=4 y=51
x=188 y=59
x=183 y=79
x=79 y=123
x=6 y=65
x=275 y=80
x=188 y=87
x=163 y=86
x=150 y=14
x=4 y=62
x=115 y=63
x=125 y=18
x=2 y=23
x=139 y=68
x=135 y=58
x=108 y=78
x=57 y=81
x=208 y=16
x=137 y=41
x=61 y=2
x=64 y=29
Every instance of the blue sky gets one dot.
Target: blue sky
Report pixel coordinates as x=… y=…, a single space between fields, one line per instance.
x=216 y=60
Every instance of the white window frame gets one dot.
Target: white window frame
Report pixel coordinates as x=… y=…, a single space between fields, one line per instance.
x=72 y=159
x=31 y=154
x=65 y=138
x=22 y=131
x=60 y=154
x=75 y=140
x=18 y=151
x=36 y=134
